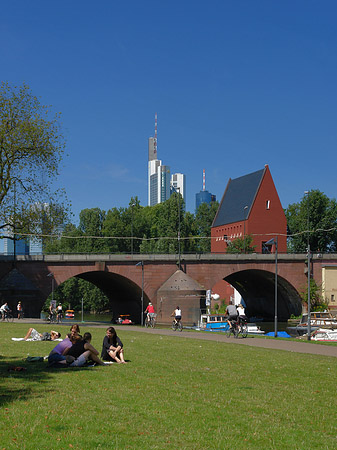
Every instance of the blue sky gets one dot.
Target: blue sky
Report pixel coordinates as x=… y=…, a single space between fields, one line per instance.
x=236 y=85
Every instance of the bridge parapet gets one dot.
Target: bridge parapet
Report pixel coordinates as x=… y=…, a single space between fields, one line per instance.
x=128 y=258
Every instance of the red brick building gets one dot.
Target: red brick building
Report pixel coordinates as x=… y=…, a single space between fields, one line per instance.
x=250 y=205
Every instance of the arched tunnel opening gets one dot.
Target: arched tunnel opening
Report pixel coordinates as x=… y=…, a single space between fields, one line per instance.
x=124 y=294
x=257 y=288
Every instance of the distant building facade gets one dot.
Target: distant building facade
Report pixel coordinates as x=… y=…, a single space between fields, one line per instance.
x=21 y=245
x=178 y=184
x=203 y=196
x=250 y=205
x=30 y=245
x=160 y=181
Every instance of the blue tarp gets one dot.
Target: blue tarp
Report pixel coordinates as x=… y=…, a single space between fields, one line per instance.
x=283 y=334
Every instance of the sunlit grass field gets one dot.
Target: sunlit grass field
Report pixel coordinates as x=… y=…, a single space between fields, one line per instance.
x=174 y=393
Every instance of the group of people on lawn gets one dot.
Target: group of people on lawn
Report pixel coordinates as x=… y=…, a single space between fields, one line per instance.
x=76 y=350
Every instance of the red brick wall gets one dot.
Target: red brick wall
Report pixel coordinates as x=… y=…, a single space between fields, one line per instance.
x=265 y=223
x=262 y=223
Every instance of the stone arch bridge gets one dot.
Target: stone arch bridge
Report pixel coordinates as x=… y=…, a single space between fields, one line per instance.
x=121 y=278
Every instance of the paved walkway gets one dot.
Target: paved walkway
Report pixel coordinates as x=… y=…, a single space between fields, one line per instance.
x=271 y=343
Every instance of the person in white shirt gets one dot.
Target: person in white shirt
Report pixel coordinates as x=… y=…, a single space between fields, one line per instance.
x=177 y=314
x=4 y=308
x=241 y=313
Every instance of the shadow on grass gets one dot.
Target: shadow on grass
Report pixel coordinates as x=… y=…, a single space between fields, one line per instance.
x=20 y=380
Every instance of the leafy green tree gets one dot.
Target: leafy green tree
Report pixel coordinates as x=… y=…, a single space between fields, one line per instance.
x=71 y=292
x=317 y=303
x=242 y=245
x=317 y=214
x=203 y=221
x=67 y=243
x=91 y=224
x=31 y=149
x=165 y=220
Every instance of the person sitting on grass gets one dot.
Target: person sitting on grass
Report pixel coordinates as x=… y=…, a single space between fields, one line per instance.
x=36 y=336
x=56 y=356
x=82 y=351
x=112 y=347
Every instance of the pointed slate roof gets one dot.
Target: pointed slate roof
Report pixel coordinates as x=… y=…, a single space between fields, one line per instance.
x=239 y=193
x=182 y=282
x=16 y=280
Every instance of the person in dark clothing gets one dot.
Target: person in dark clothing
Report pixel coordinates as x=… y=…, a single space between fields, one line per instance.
x=112 y=347
x=82 y=351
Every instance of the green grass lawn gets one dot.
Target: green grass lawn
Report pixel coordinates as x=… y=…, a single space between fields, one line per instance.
x=174 y=393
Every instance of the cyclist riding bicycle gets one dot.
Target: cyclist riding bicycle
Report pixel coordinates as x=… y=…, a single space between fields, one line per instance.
x=232 y=313
x=59 y=312
x=4 y=310
x=52 y=312
x=177 y=314
x=242 y=315
x=149 y=312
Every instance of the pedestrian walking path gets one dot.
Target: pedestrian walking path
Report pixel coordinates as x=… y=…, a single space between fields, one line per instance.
x=269 y=343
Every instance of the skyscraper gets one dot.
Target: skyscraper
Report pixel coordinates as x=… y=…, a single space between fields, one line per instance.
x=178 y=184
x=203 y=196
x=158 y=174
x=21 y=246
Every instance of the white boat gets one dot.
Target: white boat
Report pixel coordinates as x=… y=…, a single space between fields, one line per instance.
x=324 y=334
x=317 y=319
x=218 y=322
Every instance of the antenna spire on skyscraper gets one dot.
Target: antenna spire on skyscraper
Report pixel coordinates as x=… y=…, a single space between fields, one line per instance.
x=155 y=133
x=203 y=180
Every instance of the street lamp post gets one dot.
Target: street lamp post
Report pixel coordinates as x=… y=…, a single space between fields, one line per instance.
x=141 y=263
x=132 y=206
x=179 y=249
x=275 y=242
x=244 y=228
x=52 y=286
x=309 y=275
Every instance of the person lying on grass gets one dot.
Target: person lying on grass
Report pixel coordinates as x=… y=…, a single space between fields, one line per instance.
x=56 y=356
x=82 y=351
x=36 y=336
x=112 y=347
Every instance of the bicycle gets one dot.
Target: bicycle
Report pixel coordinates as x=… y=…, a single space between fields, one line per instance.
x=177 y=325
x=242 y=328
x=150 y=320
x=8 y=316
x=59 y=317
x=52 y=317
x=238 y=328
x=233 y=329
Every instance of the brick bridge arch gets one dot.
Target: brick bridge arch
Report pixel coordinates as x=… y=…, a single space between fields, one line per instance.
x=121 y=279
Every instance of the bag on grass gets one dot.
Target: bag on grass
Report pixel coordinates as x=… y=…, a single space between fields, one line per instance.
x=46 y=336
x=34 y=358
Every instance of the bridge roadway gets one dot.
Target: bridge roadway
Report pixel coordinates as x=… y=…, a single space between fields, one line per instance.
x=312 y=348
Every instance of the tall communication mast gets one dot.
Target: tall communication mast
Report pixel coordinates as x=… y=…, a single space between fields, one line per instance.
x=155 y=133
x=203 y=180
